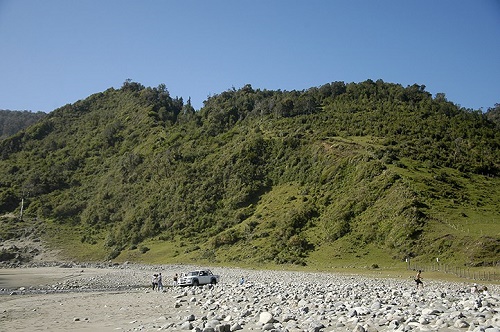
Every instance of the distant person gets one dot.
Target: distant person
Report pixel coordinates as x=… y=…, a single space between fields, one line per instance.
x=418 y=279
x=160 y=283
x=154 y=281
x=474 y=289
x=242 y=280
x=176 y=277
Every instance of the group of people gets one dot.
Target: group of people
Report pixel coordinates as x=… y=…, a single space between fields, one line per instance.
x=157 y=282
x=475 y=289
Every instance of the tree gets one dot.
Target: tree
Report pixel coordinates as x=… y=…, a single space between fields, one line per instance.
x=440 y=96
x=493 y=114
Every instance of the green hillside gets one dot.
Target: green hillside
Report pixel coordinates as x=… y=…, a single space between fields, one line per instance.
x=358 y=172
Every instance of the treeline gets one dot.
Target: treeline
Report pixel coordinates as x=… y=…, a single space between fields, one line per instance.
x=13 y=121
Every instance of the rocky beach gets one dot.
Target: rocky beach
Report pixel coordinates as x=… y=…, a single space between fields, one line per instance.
x=93 y=297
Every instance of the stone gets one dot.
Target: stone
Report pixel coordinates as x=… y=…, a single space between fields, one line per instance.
x=212 y=323
x=265 y=317
x=359 y=328
x=236 y=327
x=186 y=326
x=268 y=327
x=223 y=328
x=315 y=326
x=461 y=323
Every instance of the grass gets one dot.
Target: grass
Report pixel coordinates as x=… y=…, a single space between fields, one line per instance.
x=68 y=240
x=461 y=207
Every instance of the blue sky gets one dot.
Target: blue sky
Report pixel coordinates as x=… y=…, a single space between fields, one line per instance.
x=55 y=52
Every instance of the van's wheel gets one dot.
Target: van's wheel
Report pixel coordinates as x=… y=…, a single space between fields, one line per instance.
x=213 y=281
x=196 y=283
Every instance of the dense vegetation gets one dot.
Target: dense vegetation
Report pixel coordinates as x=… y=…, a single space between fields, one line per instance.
x=13 y=121
x=262 y=176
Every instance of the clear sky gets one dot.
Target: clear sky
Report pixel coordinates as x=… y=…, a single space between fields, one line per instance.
x=54 y=52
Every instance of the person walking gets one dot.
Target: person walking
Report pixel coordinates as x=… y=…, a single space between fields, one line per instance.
x=418 y=279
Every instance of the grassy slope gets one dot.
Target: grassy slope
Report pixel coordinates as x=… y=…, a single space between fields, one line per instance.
x=462 y=212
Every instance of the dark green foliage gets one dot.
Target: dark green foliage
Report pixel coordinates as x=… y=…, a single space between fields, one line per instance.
x=493 y=114
x=113 y=254
x=136 y=164
x=11 y=122
x=9 y=201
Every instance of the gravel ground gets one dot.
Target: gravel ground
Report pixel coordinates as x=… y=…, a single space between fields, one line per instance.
x=76 y=297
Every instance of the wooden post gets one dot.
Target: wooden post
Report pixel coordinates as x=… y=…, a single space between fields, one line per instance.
x=22 y=208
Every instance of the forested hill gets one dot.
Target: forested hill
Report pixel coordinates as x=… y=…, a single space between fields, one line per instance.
x=342 y=171
x=13 y=121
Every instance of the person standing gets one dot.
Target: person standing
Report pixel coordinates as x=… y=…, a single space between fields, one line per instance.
x=154 y=281
x=159 y=287
x=175 y=279
x=474 y=289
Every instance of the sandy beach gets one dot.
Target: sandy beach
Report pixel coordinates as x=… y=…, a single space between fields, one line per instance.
x=47 y=299
x=96 y=311
x=119 y=298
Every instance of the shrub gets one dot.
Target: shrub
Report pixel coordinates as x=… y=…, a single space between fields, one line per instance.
x=113 y=254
